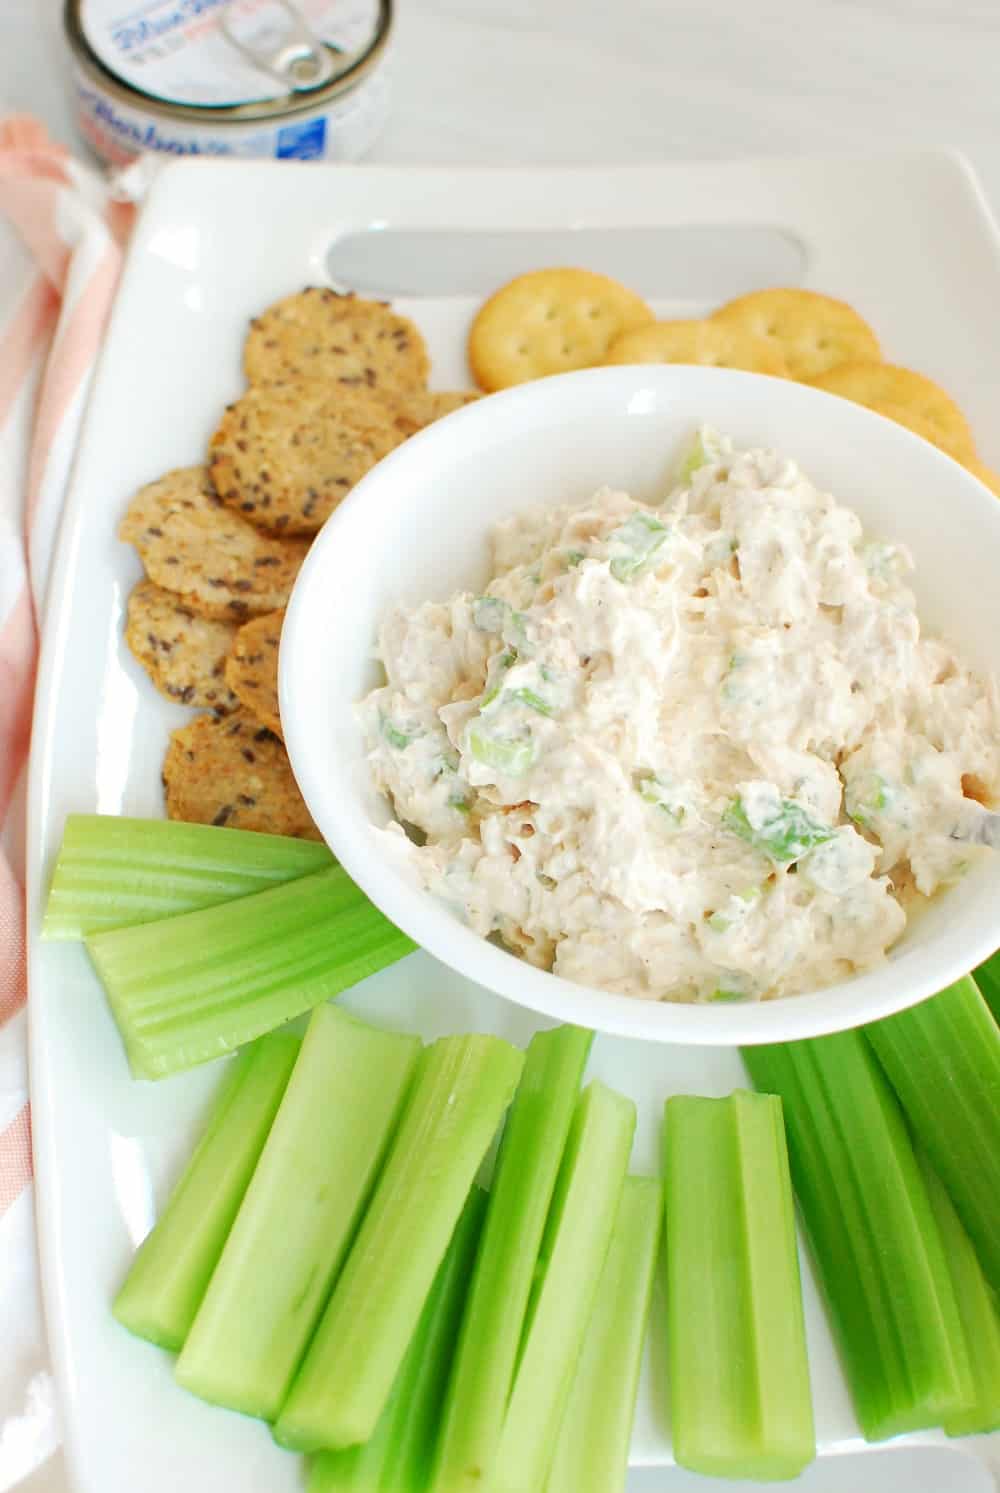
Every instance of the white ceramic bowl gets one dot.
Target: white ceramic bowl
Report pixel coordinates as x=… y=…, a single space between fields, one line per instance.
x=416 y=528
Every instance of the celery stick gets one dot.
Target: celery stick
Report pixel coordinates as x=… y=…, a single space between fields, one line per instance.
x=873 y=1236
x=943 y=1060
x=112 y=872
x=592 y=1448
x=573 y=1250
x=739 y=1377
x=461 y=1089
x=977 y=1310
x=300 y=1212
x=171 y=1270
x=528 y=1164
x=987 y=978
x=191 y=988
x=397 y=1458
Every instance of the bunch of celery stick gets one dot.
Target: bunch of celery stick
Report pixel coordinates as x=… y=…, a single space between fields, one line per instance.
x=328 y=1251
x=329 y=1261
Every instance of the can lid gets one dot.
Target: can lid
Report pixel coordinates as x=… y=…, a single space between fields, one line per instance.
x=228 y=52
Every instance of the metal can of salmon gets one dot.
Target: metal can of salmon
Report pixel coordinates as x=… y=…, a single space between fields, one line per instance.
x=289 y=79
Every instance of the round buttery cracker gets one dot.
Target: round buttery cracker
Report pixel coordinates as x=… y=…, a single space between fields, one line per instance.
x=216 y=563
x=319 y=333
x=712 y=343
x=252 y=667
x=550 y=321
x=184 y=655
x=911 y=419
x=412 y=412
x=233 y=770
x=906 y=396
x=812 y=332
x=285 y=455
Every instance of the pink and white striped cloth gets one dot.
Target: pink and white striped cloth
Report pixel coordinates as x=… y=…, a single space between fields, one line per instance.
x=61 y=239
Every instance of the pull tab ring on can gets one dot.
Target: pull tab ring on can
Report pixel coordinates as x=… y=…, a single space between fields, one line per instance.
x=299 y=58
x=298 y=80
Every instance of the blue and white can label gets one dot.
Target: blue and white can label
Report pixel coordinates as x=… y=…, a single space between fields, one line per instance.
x=184 y=80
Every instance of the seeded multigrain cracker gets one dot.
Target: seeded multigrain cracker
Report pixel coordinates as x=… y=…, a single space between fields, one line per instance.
x=214 y=561
x=285 y=455
x=550 y=321
x=341 y=338
x=184 y=655
x=711 y=343
x=412 y=412
x=234 y=770
x=252 y=667
x=905 y=396
x=812 y=332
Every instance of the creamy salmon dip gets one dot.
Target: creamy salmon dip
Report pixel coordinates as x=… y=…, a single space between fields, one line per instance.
x=692 y=751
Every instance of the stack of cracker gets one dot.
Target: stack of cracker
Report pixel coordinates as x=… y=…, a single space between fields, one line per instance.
x=335 y=383
x=551 y=321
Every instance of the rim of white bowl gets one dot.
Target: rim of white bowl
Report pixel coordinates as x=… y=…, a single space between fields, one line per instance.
x=352 y=837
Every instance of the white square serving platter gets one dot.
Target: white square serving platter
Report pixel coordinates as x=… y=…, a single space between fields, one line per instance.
x=905 y=238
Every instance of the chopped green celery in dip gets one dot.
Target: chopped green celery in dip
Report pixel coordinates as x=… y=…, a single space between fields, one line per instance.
x=663 y=795
x=512 y=755
x=574 y=558
x=721 y=922
x=867 y=799
x=699 y=455
x=498 y=696
x=494 y=615
x=637 y=541
x=533 y=701
x=448 y=762
x=739 y=686
x=515 y=633
x=490 y=613
x=722 y=994
x=460 y=802
x=394 y=735
x=784 y=836
x=749 y=682
x=503 y=662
